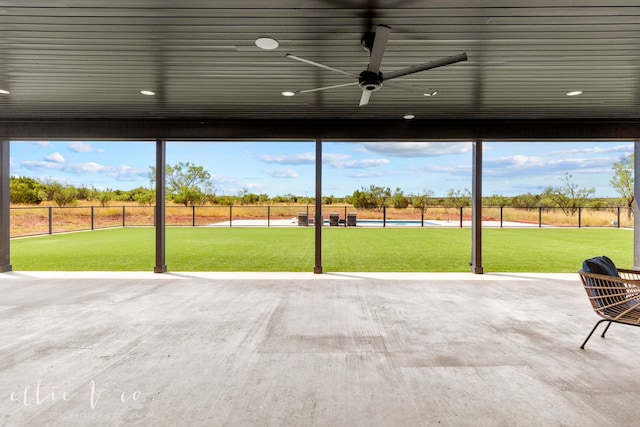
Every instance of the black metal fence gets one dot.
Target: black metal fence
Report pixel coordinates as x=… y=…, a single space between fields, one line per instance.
x=31 y=221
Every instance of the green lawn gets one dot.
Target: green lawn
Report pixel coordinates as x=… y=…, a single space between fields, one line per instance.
x=344 y=249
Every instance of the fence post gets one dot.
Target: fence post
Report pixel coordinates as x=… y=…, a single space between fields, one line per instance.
x=618 y=216
x=501 y=208
x=579 y=216
x=345 y=216
x=230 y=214
x=269 y=216
x=123 y=216
x=193 y=216
x=460 y=216
x=422 y=217
x=539 y=216
x=91 y=218
x=50 y=220
x=384 y=216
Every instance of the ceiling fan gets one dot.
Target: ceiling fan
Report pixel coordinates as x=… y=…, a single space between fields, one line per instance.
x=371 y=79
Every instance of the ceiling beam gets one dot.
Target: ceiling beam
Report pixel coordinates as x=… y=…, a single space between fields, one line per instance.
x=370 y=130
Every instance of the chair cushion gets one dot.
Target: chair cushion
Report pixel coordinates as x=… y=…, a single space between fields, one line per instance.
x=600 y=265
x=603 y=265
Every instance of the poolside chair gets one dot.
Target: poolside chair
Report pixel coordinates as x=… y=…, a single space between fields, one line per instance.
x=303 y=219
x=614 y=293
x=334 y=219
x=351 y=219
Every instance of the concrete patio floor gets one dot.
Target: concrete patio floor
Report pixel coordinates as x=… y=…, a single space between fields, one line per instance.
x=297 y=349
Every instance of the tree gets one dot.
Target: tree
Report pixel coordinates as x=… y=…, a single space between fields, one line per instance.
x=104 y=197
x=371 y=198
x=187 y=184
x=497 y=200
x=141 y=195
x=526 y=201
x=422 y=201
x=398 y=200
x=248 y=198
x=147 y=197
x=60 y=194
x=379 y=195
x=85 y=193
x=25 y=190
x=569 y=197
x=458 y=198
x=622 y=180
x=360 y=199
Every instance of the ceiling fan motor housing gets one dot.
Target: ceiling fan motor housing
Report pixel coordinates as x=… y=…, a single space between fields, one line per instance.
x=370 y=81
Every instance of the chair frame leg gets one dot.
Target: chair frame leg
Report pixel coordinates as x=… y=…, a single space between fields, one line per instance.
x=606 y=329
x=594 y=329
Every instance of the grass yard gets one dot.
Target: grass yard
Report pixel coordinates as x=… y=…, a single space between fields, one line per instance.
x=344 y=249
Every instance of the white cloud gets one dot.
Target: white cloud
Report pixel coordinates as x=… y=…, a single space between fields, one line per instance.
x=229 y=185
x=55 y=158
x=291 y=159
x=127 y=173
x=44 y=144
x=337 y=161
x=363 y=164
x=37 y=165
x=334 y=159
x=418 y=149
x=119 y=173
x=81 y=147
x=628 y=148
x=253 y=185
x=371 y=174
x=343 y=161
x=79 y=168
x=282 y=173
x=519 y=166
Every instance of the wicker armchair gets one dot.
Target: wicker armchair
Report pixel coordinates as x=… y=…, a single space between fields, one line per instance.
x=615 y=299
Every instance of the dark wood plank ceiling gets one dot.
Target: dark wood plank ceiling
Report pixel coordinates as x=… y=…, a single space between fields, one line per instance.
x=89 y=59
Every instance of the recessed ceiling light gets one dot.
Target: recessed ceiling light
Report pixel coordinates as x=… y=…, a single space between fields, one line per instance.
x=4 y=92
x=574 y=93
x=267 y=43
x=288 y=93
x=147 y=92
x=408 y=117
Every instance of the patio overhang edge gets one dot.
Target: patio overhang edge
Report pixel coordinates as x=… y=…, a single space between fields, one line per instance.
x=338 y=129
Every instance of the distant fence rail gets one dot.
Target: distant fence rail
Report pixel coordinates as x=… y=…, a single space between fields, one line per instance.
x=31 y=221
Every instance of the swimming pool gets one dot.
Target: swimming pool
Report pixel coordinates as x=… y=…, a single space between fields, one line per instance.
x=394 y=223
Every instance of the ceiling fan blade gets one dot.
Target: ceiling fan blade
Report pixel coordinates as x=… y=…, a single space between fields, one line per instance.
x=326 y=87
x=409 y=88
x=427 y=66
x=364 y=100
x=326 y=67
x=379 y=45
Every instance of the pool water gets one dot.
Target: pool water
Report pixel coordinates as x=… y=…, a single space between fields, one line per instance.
x=393 y=223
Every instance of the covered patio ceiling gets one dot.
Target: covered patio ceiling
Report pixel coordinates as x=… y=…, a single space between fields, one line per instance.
x=76 y=68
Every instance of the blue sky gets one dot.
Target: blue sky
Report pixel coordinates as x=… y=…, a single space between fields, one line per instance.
x=278 y=168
